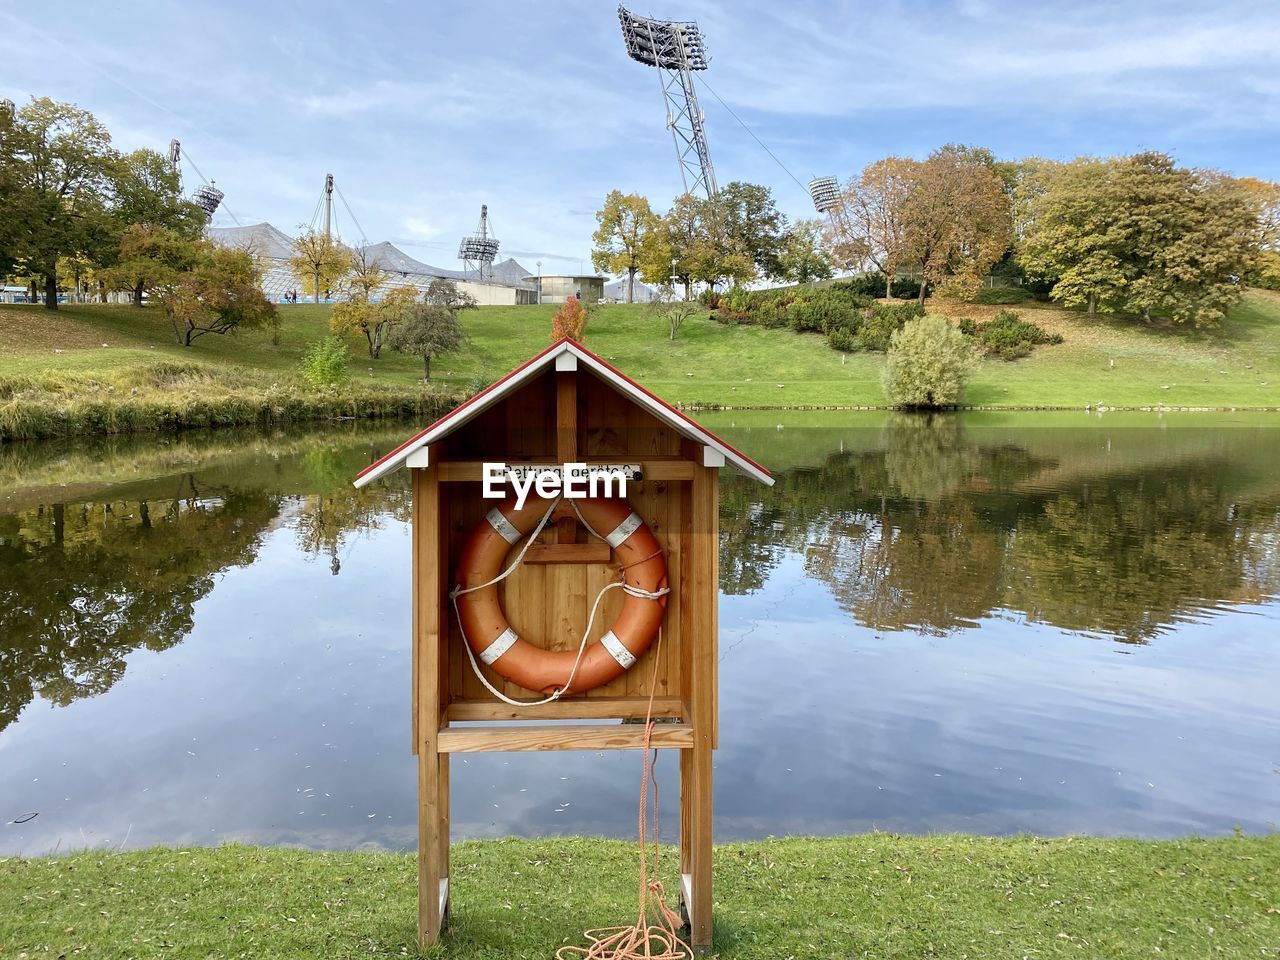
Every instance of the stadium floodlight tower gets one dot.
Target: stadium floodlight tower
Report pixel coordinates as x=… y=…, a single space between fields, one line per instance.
x=206 y=197
x=825 y=192
x=676 y=49
x=480 y=248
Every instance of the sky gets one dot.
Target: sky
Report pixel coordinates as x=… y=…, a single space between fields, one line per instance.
x=423 y=111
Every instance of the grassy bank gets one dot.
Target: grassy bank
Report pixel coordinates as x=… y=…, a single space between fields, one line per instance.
x=104 y=369
x=874 y=895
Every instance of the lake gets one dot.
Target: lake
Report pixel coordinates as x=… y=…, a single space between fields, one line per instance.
x=993 y=623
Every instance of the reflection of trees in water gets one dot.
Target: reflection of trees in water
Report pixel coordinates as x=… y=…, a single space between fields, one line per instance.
x=926 y=533
x=325 y=521
x=1129 y=555
x=83 y=585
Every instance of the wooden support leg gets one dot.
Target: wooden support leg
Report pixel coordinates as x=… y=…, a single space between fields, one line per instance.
x=695 y=840
x=433 y=841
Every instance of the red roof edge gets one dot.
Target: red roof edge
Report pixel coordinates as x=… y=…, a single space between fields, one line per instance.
x=689 y=420
x=471 y=401
x=530 y=362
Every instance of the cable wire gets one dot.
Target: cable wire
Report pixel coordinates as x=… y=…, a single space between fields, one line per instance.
x=753 y=135
x=186 y=155
x=363 y=238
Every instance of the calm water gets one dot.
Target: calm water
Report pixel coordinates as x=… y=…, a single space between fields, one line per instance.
x=991 y=623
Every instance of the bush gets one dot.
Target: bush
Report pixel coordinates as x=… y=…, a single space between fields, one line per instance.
x=821 y=309
x=1002 y=295
x=842 y=340
x=326 y=363
x=709 y=298
x=883 y=321
x=864 y=284
x=872 y=285
x=906 y=289
x=1007 y=335
x=570 y=321
x=927 y=364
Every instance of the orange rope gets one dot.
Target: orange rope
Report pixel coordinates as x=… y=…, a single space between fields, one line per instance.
x=647 y=939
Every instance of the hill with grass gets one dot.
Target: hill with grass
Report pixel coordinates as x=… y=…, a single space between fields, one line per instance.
x=116 y=368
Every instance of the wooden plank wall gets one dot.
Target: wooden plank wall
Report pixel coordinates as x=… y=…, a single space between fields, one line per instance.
x=549 y=604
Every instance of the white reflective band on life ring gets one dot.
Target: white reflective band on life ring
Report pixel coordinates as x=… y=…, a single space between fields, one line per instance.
x=617 y=650
x=500 y=646
x=623 y=530
x=502 y=525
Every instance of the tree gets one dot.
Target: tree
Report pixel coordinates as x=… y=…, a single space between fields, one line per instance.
x=320 y=259
x=151 y=258
x=957 y=219
x=752 y=223
x=373 y=319
x=432 y=327
x=365 y=273
x=148 y=190
x=802 y=258
x=623 y=227
x=692 y=243
x=1139 y=234
x=445 y=293
x=1264 y=195
x=927 y=364
x=869 y=227
x=673 y=312
x=221 y=294
x=570 y=321
x=59 y=162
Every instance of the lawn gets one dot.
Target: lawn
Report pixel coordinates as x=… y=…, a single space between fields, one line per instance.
x=88 y=350
x=874 y=895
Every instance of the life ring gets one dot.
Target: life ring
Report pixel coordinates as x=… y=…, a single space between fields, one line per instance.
x=484 y=624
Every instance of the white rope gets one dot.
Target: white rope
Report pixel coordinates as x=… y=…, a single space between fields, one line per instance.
x=627 y=588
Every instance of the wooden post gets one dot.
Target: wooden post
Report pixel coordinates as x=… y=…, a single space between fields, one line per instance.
x=702 y=589
x=430 y=643
x=566 y=439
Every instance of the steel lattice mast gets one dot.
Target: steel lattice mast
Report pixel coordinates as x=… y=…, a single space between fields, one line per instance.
x=676 y=49
x=481 y=247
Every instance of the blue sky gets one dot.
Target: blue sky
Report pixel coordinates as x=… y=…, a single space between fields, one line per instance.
x=424 y=110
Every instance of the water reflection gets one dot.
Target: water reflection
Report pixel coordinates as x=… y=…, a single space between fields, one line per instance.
x=83 y=584
x=909 y=638
x=933 y=527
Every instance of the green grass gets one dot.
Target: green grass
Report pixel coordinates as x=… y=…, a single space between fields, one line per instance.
x=50 y=361
x=875 y=895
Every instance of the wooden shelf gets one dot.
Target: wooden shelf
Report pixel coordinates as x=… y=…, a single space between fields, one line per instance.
x=571 y=708
x=576 y=736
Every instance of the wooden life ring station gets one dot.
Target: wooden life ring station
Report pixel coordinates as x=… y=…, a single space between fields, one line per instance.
x=542 y=593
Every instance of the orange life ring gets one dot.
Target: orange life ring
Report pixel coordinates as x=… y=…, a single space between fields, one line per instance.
x=485 y=626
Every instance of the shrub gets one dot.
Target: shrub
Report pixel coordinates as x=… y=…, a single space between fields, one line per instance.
x=325 y=364
x=1007 y=335
x=904 y=288
x=864 y=284
x=1002 y=295
x=927 y=364
x=709 y=298
x=883 y=320
x=821 y=309
x=842 y=340
x=570 y=321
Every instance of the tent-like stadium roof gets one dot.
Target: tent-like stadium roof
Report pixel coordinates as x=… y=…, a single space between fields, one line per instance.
x=267 y=241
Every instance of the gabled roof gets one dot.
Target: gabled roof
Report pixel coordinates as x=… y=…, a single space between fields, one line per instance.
x=527 y=371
